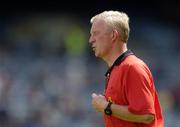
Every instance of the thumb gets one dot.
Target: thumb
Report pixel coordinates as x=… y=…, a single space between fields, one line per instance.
x=93 y=95
x=101 y=95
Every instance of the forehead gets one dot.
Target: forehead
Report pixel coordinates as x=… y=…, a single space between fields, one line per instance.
x=98 y=25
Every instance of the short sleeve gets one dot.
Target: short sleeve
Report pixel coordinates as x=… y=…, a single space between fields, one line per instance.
x=140 y=90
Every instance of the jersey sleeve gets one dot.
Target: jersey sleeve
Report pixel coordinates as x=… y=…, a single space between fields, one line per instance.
x=140 y=90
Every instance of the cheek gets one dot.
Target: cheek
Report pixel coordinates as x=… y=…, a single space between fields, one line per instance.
x=103 y=47
x=102 y=42
x=106 y=42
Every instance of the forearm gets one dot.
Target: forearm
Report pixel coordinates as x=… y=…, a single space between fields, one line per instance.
x=123 y=113
x=99 y=103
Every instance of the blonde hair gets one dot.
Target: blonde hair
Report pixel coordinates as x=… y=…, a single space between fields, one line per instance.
x=116 y=20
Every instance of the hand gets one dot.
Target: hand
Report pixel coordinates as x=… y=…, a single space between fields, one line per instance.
x=99 y=102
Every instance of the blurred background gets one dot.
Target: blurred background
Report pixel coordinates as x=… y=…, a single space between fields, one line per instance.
x=48 y=71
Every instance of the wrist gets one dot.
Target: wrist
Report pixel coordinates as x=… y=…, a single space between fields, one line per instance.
x=104 y=105
x=108 y=110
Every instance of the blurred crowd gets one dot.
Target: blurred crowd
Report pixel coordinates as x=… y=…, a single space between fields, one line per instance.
x=48 y=71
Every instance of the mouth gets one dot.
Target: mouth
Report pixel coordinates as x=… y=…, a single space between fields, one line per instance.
x=93 y=48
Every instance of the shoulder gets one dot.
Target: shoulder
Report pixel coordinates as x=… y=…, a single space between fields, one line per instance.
x=133 y=63
x=132 y=60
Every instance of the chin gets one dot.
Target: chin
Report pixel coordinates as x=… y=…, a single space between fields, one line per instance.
x=96 y=54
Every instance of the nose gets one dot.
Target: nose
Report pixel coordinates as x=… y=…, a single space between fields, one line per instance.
x=91 y=39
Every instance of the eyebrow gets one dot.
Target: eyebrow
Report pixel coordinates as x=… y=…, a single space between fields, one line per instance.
x=94 y=32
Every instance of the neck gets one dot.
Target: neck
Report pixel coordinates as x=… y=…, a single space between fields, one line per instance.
x=114 y=55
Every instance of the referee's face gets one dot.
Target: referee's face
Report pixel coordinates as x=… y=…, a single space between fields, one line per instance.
x=100 y=39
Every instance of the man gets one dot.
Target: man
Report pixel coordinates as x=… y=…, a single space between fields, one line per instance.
x=130 y=98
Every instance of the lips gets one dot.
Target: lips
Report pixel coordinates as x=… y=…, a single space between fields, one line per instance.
x=93 y=48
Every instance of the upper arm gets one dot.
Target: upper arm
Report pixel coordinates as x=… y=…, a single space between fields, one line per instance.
x=139 y=91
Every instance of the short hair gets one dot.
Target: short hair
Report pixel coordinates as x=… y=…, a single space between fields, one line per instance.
x=116 y=20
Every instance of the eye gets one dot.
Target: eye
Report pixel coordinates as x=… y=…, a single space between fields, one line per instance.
x=95 y=33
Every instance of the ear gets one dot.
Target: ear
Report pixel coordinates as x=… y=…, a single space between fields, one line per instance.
x=114 y=35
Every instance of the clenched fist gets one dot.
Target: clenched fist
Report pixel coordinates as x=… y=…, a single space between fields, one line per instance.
x=99 y=102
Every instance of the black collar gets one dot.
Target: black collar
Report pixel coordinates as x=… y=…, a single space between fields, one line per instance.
x=119 y=61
